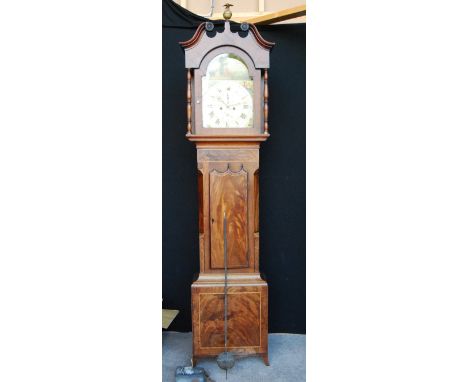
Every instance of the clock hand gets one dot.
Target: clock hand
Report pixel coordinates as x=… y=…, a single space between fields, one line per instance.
x=238 y=103
x=221 y=100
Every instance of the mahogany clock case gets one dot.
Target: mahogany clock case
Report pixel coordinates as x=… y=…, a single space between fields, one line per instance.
x=282 y=177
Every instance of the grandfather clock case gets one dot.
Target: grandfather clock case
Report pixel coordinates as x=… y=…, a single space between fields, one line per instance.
x=227 y=113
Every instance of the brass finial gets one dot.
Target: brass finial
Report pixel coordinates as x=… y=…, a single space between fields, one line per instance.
x=227 y=12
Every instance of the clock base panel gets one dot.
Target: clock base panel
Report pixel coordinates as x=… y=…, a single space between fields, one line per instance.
x=247 y=317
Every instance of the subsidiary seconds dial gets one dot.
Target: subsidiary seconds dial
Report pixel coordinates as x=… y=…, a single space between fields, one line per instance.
x=228 y=104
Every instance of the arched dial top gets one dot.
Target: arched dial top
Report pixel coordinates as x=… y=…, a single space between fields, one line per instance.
x=227 y=93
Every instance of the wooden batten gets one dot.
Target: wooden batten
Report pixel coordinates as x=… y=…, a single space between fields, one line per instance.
x=283 y=15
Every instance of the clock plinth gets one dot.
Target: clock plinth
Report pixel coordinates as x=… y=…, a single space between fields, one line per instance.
x=247 y=318
x=227 y=112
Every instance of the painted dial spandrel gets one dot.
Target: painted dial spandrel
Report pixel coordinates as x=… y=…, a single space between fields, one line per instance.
x=227 y=93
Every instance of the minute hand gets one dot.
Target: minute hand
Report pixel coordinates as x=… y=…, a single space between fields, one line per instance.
x=239 y=102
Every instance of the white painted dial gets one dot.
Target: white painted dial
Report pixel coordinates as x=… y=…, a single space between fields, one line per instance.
x=228 y=104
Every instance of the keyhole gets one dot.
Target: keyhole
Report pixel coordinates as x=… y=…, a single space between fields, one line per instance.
x=212 y=221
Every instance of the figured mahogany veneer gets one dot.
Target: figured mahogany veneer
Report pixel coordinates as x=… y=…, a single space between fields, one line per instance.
x=228 y=183
x=228 y=193
x=247 y=318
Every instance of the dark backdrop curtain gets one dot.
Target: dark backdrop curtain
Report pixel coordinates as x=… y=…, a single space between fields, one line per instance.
x=282 y=176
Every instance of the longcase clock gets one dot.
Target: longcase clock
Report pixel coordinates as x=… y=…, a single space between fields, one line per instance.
x=227 y=112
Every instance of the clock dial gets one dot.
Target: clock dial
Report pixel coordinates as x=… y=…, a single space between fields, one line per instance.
x=227 y=94
x=227 y=104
